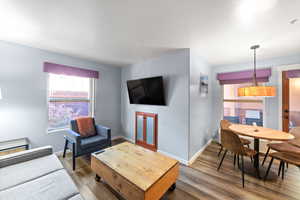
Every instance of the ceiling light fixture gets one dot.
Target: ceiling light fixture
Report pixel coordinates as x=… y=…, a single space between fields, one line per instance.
x=249 y=10
x=256 y=90
x=294 y=21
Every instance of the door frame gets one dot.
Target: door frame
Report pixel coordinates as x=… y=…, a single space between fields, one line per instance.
x=280 y=69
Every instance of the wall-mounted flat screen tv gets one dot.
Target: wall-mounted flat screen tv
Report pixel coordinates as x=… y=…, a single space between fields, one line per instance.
x=148 y=91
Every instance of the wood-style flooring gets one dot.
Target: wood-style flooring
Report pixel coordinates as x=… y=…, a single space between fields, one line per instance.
x=199 y=181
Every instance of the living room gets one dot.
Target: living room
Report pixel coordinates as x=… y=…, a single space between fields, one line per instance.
x=125 y=100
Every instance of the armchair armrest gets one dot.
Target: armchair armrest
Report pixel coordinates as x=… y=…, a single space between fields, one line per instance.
x=104 y=131
x=72 y=136
x=24 y=156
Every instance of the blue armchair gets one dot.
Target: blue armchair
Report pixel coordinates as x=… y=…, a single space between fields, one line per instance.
x=86 y=145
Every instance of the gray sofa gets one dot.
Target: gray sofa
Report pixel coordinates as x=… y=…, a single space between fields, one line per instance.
x=35 y=174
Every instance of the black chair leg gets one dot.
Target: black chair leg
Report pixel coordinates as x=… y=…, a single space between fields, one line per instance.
x=97 y=178
x=234 y=160
x=243 y=176
x=282 y=173
x=66 y=147
x=267 y=153
x=221 y=149
x=267 y=173
x=222 y=160
x=280 y=166
x=238 y=160
x=73 y=156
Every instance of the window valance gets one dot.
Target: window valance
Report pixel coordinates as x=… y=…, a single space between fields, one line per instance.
x=246 y=76
x=70 y=71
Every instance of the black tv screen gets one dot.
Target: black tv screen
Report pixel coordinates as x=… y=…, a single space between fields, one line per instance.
x=146 y=91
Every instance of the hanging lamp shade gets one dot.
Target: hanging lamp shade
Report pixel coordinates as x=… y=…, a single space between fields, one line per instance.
x=256 y=90
x=261 y=91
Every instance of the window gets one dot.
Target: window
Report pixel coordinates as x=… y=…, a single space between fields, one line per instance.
x=242 y=110
x=68 y=97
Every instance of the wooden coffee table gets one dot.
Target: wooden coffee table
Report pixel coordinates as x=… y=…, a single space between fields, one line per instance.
x=135 y=172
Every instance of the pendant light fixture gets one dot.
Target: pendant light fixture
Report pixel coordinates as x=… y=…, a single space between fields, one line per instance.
x=256 y=90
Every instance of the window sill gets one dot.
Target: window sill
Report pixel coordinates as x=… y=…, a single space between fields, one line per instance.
x=56 y=131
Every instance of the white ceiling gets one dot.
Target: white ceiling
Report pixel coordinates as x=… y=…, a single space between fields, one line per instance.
x=122 y=32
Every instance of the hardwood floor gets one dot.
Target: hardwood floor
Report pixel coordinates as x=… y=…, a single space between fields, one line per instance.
x=199 y=181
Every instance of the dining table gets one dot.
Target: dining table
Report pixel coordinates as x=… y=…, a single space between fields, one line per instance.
x=258 y=133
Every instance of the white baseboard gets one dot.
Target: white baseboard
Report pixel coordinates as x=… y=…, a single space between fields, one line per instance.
x=185 y=162
x=197 y=154
x=117 y=137
x=60 y=153
x=129 y=139
x=123 y=137
x=182 y=161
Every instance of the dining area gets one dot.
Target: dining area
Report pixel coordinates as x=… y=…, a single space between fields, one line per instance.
x=246 y=143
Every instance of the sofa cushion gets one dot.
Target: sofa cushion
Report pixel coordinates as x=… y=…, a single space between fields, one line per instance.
x=54 y=186
x=93 y=141
x=24 y=156
x=26 y=171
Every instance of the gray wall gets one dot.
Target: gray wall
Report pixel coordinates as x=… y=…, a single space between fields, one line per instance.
x=271 y=104
x=173 y=124
x=23 y=109
x=200 y=107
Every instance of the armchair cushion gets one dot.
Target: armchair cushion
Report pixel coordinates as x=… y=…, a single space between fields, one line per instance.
x=93 y=141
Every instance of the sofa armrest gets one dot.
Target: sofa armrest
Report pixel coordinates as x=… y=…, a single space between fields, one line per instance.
x=104 y=131
x=23 y=156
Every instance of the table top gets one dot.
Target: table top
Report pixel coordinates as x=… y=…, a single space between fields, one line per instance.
x=259 y=132
x=137 y=164
x=9 y=144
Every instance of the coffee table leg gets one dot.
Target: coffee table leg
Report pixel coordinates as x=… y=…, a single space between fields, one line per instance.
x=173 y=187
x=97 y=178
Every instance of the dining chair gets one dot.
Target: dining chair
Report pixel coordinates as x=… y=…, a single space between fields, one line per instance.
x=232 y=143
x=224 y=124
x=285 y=146
x=284 y=157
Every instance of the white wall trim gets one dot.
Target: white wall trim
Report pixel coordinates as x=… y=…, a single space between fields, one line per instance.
x=197 y=154
x=183 y=161
x=60 y=153
x=117 y=137
x=129 y=139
